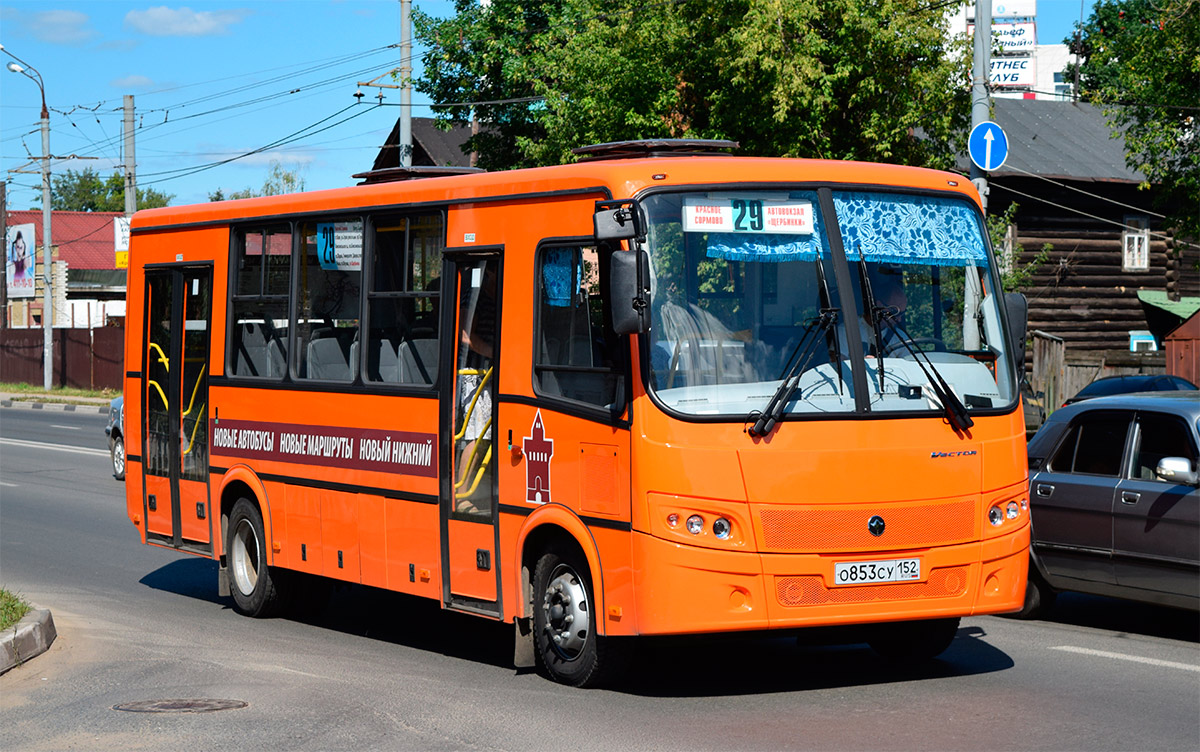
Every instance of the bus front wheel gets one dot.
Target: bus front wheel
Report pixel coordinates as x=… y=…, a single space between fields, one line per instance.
x=914 y=640
x=256 y=588
x=566 y=646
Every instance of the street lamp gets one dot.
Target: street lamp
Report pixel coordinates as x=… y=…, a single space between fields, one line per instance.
x=32 y=74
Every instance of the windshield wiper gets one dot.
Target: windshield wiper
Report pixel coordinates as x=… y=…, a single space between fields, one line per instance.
x=872 y=309
x=952 y=406
x=797 y=364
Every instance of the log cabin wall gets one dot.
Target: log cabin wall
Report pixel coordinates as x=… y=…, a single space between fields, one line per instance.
x=1082 y=292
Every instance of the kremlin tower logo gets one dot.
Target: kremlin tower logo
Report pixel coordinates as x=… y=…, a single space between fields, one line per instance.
x=538 y=451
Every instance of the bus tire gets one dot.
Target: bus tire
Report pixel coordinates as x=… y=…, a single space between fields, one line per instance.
x=258 y=590
x=912 y=641
x=567 y=648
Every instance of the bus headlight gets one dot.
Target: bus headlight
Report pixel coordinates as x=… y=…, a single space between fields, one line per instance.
x=722 y=528
x=1012 y=510
x=995 y=516
x=673 y=519
x=695 y=524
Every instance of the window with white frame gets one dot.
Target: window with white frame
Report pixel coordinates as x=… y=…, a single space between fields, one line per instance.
x=1135 y=244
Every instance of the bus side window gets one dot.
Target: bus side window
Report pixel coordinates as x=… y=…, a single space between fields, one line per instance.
x=575 y=352
x=330 y=295
x=402 y=310
x=258 y=341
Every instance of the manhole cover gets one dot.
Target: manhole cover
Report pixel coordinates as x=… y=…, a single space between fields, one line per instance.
x=179 y=706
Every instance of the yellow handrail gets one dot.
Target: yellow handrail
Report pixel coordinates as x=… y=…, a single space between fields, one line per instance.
x=479 y=474
x=195 y=389
x=475 y=398
x=161 y=393
x=162 y=356
x=192 y=438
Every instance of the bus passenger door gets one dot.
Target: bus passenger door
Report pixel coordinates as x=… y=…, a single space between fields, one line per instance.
x=468 y=451
x=175 y=394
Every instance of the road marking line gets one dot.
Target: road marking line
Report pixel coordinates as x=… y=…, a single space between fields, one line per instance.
x=54 y=447
x=1124 y=657
x=9 y=485
x=69 y=428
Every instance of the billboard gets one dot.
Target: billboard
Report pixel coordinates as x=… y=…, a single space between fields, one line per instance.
x=19 y=260
x=1014 y=71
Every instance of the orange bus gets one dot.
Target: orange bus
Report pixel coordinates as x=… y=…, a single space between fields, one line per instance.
x=660 y=391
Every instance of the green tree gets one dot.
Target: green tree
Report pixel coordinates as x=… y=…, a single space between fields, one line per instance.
x=86 y=191
x=277 y=182
x=1141 y=65
x=840 y=79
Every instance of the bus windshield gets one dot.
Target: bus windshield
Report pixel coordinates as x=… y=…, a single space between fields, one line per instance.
x=747 y=312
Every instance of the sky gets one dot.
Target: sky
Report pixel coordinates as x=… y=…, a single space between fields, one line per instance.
x=213 y=81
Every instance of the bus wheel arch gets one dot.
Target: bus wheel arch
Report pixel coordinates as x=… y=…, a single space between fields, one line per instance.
x=561 y=585
x=550 y=526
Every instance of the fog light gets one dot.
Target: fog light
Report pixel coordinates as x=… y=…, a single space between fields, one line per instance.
x=695 y=524
x=722 y=528
x=1012 y=510
x=673 y=519
x=995 y=516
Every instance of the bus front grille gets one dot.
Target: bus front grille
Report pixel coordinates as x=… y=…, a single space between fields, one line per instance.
x=810 y=590
x=813 y=529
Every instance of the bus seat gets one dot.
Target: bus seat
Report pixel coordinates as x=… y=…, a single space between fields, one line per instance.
x=384 y=365
x=418 y=361
x=326 y=360
x=258 y=353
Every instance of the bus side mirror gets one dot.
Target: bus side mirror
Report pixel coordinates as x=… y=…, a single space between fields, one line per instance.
x=617 y=220
x=629 y=291
x=1018 y=320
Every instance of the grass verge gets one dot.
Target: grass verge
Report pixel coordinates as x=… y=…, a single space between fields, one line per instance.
x=56 y=394
x=12 y=609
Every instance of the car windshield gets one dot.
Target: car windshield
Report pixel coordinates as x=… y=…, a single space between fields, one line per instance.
x=747 y=311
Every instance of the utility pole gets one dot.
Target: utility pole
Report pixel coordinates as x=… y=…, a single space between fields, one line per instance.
x=981 y=110
x=130 y=162
x=406 y=149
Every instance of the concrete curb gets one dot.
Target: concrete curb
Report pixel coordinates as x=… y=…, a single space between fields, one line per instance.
x=27 y=639
x=31 y=405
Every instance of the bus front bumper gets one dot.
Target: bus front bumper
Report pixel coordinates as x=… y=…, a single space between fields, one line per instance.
x=686 y=589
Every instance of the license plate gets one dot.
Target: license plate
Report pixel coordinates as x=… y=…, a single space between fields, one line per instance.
x=866 y=572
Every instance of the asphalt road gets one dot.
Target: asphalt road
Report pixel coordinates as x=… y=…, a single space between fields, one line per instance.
x=375 y=670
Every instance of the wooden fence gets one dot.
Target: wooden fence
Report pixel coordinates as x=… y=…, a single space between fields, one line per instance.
x=83 y=358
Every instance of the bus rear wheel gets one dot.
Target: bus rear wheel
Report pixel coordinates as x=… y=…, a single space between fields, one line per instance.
x=257 y=589
x=911 y=641
x=566 y=646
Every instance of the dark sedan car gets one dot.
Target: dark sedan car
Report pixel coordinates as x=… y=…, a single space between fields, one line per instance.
x=115 y=431
x=1114 y=501
x=1153 y=382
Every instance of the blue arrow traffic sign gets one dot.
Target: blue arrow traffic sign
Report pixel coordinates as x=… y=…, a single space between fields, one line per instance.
x=988 y=146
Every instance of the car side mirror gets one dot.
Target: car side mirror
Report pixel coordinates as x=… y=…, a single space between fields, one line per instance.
x=1018 y=321
x=629 y=291
x=1176 y=470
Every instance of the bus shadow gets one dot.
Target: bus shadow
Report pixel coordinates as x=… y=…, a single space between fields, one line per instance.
x=192 y=577
x=710 y=665
x=400 y=619
x=730 y=665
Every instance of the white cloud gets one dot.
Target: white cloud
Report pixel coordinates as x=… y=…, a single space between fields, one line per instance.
x=134 y=81
x=162 y=21
x=60 y=26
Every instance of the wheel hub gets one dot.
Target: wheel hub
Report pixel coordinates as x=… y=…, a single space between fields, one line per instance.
x=566 y=610
x=245 y=558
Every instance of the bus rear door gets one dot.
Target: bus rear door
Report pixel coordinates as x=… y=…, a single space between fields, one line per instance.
x=175 y=347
